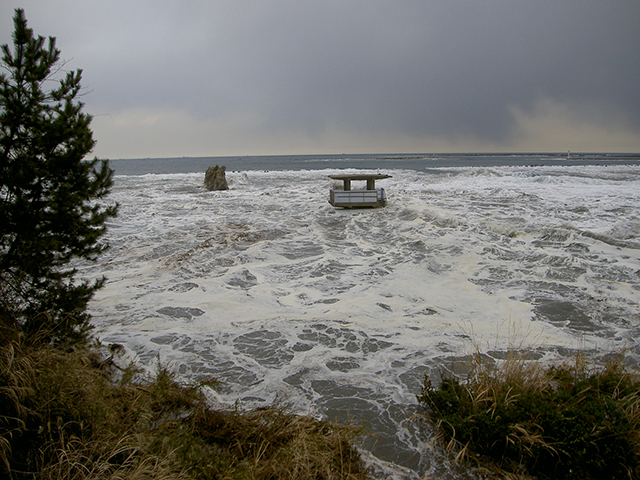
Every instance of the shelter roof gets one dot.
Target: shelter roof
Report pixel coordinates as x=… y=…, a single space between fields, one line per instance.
x=360 y=176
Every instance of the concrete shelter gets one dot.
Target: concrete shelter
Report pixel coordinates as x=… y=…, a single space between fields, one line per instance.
x=368 y=197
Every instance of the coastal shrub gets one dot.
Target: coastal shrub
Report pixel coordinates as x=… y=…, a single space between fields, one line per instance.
x=558 y=422
x=52 y=211
x=72 y=414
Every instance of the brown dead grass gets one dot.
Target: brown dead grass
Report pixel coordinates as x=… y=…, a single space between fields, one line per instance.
x=63 y=416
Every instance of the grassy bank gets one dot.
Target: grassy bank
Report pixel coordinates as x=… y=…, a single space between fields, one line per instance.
x=521 y=419
x=69 y=413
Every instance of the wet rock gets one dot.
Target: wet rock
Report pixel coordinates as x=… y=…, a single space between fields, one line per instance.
x=215 y=179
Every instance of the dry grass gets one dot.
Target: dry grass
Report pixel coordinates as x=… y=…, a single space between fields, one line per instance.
x=272 y=444
x=64 y=417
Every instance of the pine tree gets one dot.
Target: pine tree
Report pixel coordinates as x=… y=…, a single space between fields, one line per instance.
x=52 y=207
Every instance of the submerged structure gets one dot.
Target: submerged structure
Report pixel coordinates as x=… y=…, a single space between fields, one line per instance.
x=368 y=197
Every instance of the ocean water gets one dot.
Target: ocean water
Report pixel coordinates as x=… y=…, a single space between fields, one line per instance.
x=341 y=313
x=420 y=162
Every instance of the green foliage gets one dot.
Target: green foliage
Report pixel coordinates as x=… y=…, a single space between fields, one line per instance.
x=71 y=414
x=556 y=423
x=50 y=209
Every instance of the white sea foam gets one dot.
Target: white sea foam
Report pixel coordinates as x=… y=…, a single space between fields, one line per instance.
x=340 y=313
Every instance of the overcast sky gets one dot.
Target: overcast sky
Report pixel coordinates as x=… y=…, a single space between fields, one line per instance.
x=169 y=78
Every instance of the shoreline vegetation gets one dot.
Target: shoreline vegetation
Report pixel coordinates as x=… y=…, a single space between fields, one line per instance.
x=77 y=411
x=522 y=419
x=69 y=412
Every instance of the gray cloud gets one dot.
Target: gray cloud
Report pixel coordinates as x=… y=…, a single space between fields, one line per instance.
x=445 y=69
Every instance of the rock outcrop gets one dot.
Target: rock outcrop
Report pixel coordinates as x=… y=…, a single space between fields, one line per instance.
x=215 y=179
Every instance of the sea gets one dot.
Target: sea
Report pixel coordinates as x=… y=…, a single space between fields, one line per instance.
x=342 y=313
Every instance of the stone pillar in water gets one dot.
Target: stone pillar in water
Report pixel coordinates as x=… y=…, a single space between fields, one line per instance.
x=214 y=178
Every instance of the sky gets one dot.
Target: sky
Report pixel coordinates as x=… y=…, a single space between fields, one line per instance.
x=173 y=78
